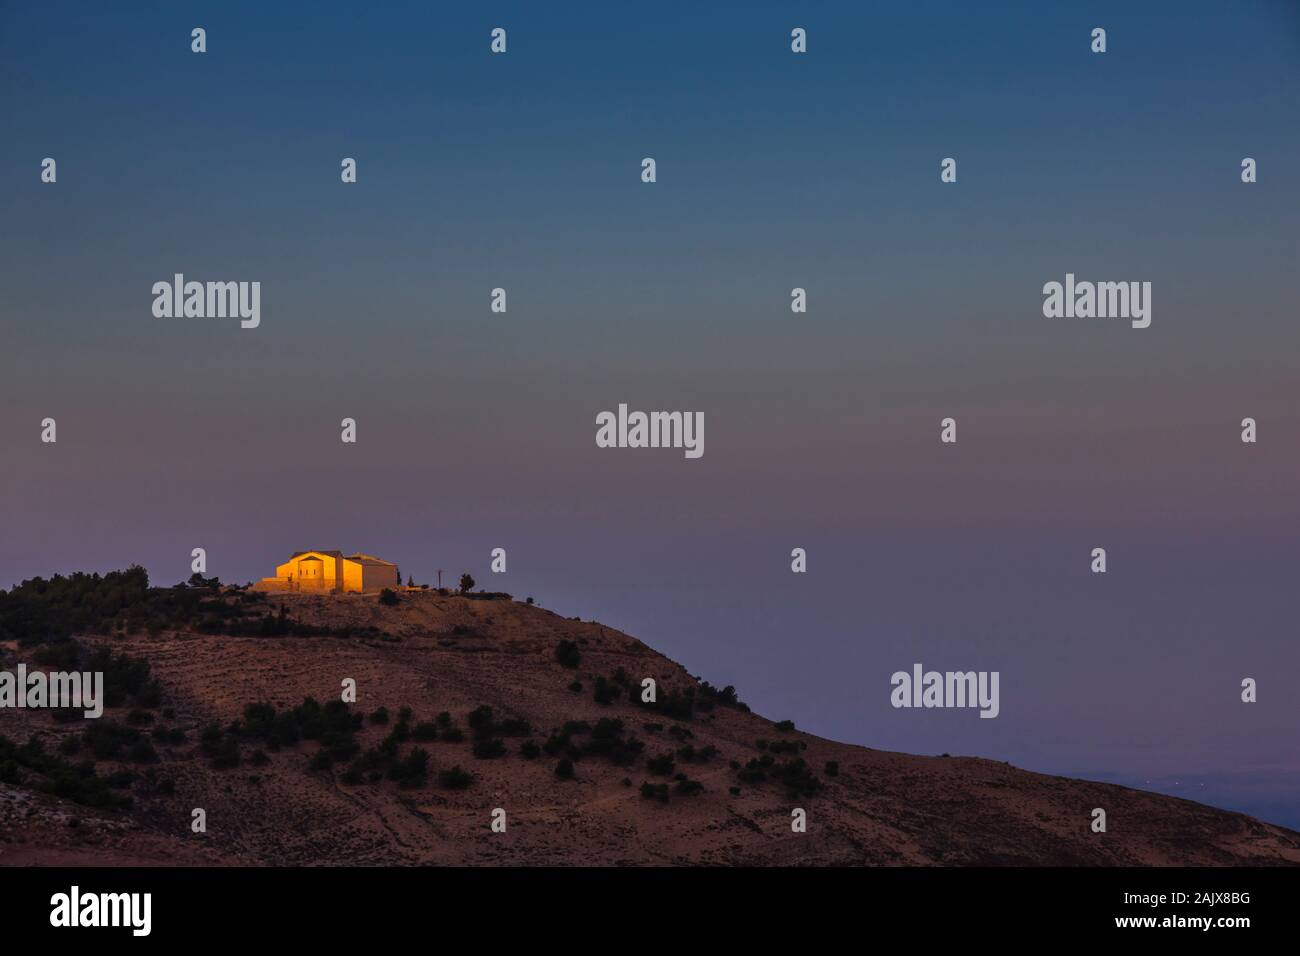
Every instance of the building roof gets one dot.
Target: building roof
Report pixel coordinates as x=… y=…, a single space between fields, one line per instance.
x=368 y=559
x=332 y=554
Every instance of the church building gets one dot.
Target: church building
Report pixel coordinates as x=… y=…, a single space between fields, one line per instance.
x=326 y=572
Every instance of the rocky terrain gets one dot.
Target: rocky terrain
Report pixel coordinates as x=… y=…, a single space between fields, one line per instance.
x=694 y=778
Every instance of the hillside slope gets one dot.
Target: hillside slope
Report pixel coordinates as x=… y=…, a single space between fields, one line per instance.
x=435 y=653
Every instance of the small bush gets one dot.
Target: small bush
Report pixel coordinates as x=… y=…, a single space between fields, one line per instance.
x=655 y=791
x=564 y=769
x=661 y=765
x=568 y=655
x=490 y=747
x=322 y=761
x=142 y=752
x=605 y=693
x=413 y=770
x=454 y=779
x=689 y=787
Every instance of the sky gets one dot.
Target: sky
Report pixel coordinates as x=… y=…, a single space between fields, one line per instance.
x=774 y=171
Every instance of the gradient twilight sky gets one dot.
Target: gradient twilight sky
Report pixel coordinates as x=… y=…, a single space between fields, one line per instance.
x=775 y=170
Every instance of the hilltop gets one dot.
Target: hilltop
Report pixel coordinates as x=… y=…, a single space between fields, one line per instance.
x=228 y=701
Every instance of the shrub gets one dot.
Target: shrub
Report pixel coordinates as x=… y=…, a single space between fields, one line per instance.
x=321 y=761
x=425 y=731
x=107 y=739
x=489 y=747
x=388 y=596
x=688 y=787
x=567 y=653
x=380 y=716
x=726 y=697
x=605 y=693
x=142 y=752
x=661 y=765
x=514 y=727
x=413 y=770
x=480 y=719
x=785 y=726
x=798 y=778
x=454 y=779
x=226 y=754
x=453 y=735
x=564 y=769
x=120 y=779
x=832 y=768
x=576 y=687
x=168 y=736
x=466 y=583
x=689 y=754
x=655 y=791
x=529 y=750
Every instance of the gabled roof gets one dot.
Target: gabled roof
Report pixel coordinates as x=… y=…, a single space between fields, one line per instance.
x=332 y=554
x=369 y=559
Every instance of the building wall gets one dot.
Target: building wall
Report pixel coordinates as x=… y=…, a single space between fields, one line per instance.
x=328 y=581
x=380 y=576
x=353 y=576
